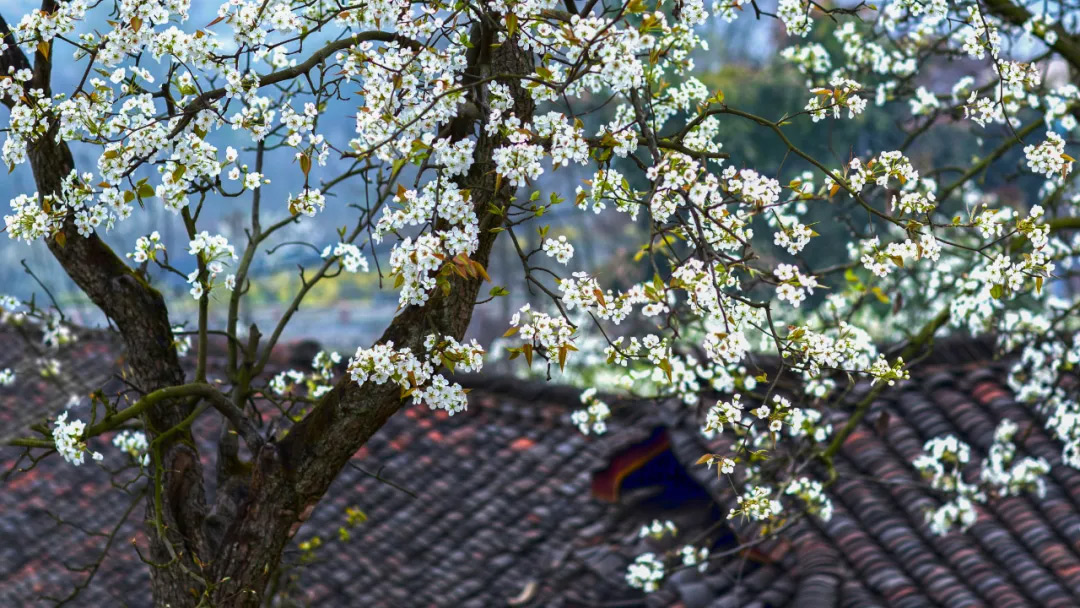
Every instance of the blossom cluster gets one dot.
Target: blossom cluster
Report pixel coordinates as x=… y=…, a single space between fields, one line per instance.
x=695 y=556
x=1049 y=158
x=945 y=460
x=880 y=169
x=658 y=529
x=793 y=238
x=352 y=260
x=416 y=375
x=69 y=442
x=560 y=249
x=317 y=382
x=646 y=572
x=146 y=248
x=583 y=291
x=756 y=503
x=416 y=260
x=592 y=419
x=842 y=95
x=793 y=286
x=309 y=202
x=213 y=252
x=542 y=331
x=812 y=493
x=135 y=444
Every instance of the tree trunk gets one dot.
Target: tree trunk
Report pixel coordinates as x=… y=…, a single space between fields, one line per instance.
x=290 y=477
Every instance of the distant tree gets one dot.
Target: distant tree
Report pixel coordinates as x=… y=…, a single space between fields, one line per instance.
x=459 y=108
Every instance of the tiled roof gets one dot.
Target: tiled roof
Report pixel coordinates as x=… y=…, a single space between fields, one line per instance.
x=876 y=550
x=497 y=506
x=34 y=545
x=84 y=366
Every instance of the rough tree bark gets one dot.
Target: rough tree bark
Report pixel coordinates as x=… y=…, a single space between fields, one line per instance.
x=229 y=564
x=291 y=476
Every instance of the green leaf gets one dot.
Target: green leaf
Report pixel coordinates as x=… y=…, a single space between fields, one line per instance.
x=666 y=366
x=447 y=362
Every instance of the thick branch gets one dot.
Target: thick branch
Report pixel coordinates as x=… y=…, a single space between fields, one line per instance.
x=205 y=391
